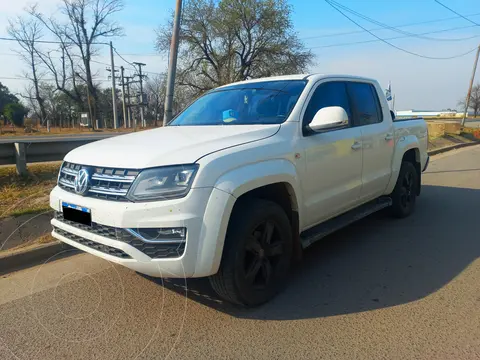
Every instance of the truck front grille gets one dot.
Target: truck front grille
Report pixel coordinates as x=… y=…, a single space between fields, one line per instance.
x=153 y=250
x=104 y=183
x=92 y=244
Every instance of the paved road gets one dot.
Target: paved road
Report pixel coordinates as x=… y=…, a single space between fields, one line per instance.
x=52 y=138
x=379 y=289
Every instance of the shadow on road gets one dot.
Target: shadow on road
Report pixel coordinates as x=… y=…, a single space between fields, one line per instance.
x=378 y=262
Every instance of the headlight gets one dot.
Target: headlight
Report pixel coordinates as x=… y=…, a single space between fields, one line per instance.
x=163 y=183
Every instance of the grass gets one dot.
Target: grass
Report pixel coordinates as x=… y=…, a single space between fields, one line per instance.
x=7 y=131
x=45 y=239
x=20 y=195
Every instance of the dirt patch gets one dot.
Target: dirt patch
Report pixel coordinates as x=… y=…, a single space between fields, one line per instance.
x=449 y=140
x=24 y=229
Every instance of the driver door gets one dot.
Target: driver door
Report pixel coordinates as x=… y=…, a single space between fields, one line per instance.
x=333 y=159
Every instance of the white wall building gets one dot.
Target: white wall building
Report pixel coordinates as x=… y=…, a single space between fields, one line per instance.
x=427 y=113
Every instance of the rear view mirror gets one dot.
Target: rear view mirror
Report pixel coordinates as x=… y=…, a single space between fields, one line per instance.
x=329 y=118
x=393 y=114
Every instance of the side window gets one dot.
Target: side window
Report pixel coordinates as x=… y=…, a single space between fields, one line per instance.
x=328 y=94
x=365 y=103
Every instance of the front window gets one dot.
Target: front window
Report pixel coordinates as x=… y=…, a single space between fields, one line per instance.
x=268 y=102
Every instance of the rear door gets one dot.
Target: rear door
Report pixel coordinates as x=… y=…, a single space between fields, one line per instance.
x=377 y=138
x=333 y=158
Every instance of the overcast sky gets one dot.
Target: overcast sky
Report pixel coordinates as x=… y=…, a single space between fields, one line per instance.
x=418 y=83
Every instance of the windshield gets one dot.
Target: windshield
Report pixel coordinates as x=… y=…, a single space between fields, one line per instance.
x=268 y=102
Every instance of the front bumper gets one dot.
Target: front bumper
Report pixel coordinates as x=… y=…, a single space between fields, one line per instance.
x=204 y=212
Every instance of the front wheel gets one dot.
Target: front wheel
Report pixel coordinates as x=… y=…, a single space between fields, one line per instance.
x=257 y=253
x=405 y=193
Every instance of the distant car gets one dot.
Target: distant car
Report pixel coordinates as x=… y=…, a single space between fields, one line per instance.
x=242 y=181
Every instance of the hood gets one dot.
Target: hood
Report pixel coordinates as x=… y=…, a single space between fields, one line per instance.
x=170 y=145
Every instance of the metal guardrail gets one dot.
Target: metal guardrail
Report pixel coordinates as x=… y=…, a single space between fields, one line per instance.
x=32 y=150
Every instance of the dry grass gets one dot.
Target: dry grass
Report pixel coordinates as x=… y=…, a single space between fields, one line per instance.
x=449 y=140
x=45 y=239
x=7 y=131
x=21 y=195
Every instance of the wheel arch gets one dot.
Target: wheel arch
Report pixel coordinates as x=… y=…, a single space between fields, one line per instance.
x=406 y=150
x=275 y=181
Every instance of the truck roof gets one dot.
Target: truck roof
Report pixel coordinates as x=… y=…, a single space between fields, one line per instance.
x=313 y=76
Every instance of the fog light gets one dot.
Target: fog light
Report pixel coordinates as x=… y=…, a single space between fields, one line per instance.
x=160 y=235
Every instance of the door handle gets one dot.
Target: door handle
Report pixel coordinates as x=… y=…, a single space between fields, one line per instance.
x=389 y=137
x=356 y=145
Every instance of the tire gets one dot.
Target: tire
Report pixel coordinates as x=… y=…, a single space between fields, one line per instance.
x=404 y=194
x=256 y=255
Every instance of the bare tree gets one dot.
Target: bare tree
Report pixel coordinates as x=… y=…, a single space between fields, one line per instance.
x=28 y=32
x=231 y=40
x=87 y=23
x=155 y=90
x=474 y=103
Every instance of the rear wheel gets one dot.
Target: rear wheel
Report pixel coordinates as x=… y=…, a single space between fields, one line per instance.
x=257 y=254
x=405 y=193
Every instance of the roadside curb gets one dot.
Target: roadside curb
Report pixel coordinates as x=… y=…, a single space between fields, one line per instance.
x=30 y=257
x=452 y=147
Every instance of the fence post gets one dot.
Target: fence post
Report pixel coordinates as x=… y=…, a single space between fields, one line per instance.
x=21 y=159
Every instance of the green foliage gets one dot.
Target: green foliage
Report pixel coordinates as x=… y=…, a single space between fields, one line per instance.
x=232 y=40
x=15 y=113
x=6 y=98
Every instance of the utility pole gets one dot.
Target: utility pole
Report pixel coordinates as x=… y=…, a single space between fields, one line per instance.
x=172 y=68
x=467 y=100
x=129 y=110
x=124 y=105
x=141 y=91
x=114 y=95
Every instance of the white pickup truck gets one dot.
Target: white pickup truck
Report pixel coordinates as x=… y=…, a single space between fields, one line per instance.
x=242 y=181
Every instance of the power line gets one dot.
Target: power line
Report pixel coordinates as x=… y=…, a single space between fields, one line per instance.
x=121 y=57
x=395 y=46
x=385 y=26
x=453 y=11
x=95 y=62
x=51 y=42
x=24 y=78
x=133 y=65
x=395 y=37
x=146 y=54
x=381 y=28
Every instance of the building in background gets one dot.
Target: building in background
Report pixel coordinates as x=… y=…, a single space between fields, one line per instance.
x=428 y=113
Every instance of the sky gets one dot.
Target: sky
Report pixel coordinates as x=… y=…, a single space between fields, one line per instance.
x=417 y=82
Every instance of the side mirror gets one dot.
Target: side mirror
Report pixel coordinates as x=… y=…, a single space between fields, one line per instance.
x=393 y=114
x=328 y=118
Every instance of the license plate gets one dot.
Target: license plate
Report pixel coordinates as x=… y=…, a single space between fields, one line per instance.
x=76 y=213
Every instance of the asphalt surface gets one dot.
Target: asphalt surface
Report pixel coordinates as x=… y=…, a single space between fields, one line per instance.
x=381 y=288
x=53 y=138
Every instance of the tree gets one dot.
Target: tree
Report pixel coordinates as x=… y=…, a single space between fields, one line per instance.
x=232 y=40
x=15 y=112
x=155 y=89
x=6 y=98
x=87 y=23
x=27 y=32
x=474 y=103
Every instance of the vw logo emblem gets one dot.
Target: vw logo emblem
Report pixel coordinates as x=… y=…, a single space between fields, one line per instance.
x=82 y=181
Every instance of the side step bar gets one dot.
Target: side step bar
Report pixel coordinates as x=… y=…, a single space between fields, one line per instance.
x=318 y=232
